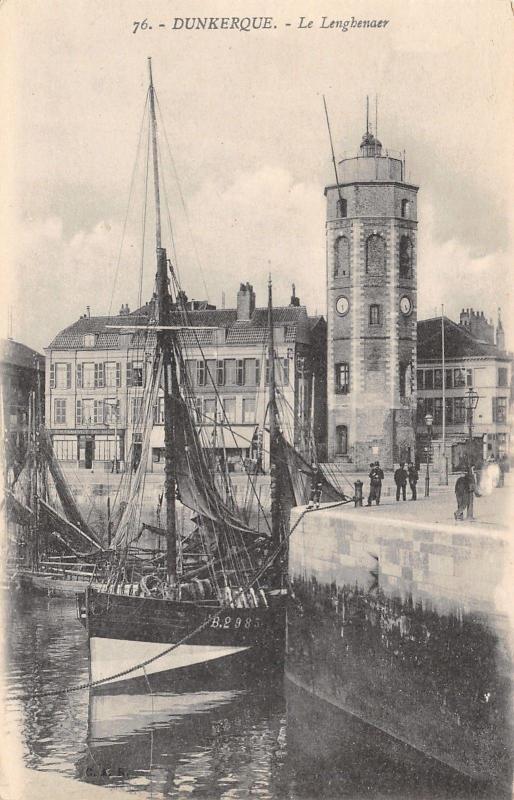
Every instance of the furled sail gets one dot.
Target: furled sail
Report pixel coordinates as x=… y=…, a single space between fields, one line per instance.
x=68 y=502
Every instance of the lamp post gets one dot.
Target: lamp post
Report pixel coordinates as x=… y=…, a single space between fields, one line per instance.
x=428 y=422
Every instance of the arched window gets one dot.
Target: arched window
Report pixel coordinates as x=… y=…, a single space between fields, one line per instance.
x=405 y=257
x=375 y=255
x=341 y=256
x=405 y=208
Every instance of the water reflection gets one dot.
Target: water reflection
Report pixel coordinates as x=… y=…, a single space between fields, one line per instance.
x=221 y=743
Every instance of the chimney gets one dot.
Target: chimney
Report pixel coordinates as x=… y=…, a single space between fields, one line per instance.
x=500 y=333
x=295 y=301
x=245 y=301
x=88 y=312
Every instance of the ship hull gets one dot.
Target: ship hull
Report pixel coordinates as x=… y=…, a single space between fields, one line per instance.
x=51 y=585
x=135 y=638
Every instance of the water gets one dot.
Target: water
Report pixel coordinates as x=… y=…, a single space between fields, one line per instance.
x=265 y=743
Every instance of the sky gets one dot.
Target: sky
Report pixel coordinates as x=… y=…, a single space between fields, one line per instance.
x=250 y=154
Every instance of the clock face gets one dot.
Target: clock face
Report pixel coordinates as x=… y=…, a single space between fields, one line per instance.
x=342 y=305
x=405 y=305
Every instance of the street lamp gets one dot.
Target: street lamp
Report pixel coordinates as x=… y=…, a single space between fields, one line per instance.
x=428 y=422
x=471 y=399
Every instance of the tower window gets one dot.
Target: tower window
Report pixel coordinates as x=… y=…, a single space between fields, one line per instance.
x=405 y=257
x=342 y=207
x=375 y=255
x=405 y=208
x=341 y=440
x=341 y=257
x=342 y=377
x=374 y=314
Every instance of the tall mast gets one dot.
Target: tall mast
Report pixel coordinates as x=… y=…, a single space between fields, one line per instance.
x=273 y=431
x=168 y=357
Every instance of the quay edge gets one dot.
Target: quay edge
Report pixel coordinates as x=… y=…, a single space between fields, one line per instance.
x=405 y=625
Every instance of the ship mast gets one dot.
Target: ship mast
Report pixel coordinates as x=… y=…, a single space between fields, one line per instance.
x=276 y=521
x=168 y=358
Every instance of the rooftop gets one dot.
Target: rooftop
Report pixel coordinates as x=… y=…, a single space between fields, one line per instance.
x=18 y=354
x=458 y=343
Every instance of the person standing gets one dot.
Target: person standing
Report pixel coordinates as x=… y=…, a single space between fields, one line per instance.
x=413 y=479
x=316 y=486
x=376 y=476
x=400 y=478
x=465 y=487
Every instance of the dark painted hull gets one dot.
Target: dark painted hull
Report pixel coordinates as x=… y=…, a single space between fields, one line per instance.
x=127 y=631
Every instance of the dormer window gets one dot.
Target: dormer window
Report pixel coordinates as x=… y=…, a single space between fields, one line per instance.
x=89 y=340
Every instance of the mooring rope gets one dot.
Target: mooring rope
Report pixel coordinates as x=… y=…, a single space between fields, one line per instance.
x=91 y=684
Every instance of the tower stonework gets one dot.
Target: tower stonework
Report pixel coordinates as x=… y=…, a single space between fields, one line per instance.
x=371 y=309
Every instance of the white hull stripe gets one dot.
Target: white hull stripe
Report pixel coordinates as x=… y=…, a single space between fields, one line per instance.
x=110 y=656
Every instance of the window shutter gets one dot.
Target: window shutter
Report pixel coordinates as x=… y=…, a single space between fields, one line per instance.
x=79 y=376
x=99 y=376
x=52 y=376
x=118 y=374
x=257 y=371
x=129 y=373
x=68 y=376
x=79 y=412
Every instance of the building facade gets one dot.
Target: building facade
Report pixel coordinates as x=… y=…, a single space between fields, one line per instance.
x=22 y=375
x=96 y=377
x=371 y=246
x=473 y=359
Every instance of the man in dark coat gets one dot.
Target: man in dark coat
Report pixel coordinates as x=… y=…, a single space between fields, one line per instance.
x=400 y=478
x=316 y=486
x=413 y=479
x=376 y=476
x=465 y=488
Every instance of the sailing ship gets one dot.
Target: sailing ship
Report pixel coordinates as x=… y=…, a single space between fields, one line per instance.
x=224 y=604
x=54 y=550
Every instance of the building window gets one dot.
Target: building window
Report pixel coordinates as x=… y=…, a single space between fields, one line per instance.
x=229 y=408
x=341 y=440
x=60 y=376
x=405 y=208
x=136 y=374
x=209 y=409
x=419 y=378
x=220 y=372
x=342 y=378
x=110 y=411
x=459 y=378
x=89 y=340
x=438 y=410
x=98 y=412
x=65 y=449
x=341 y=256
x=499 y=409
x=469 y=377
x=248 y=409
x=342 y=207
x=405 y=378
x=420 y=411
x=449 y=411
x=503 y=376
x=112 y=372
x=405 y=257
x=375 y=255
x=198 y=410
x=60 y=411
x=230 y=371
x=448 y=379
x=459 y=410
x=200 y=373
x=240 y=372
x=257 y=371
x=438 y=379
x=429 y=379
x=136 y=406
x=158 y=411
x=85 y=412
x=86 y=375
x=374 y=314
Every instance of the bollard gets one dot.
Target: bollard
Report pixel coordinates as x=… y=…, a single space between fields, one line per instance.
x=358 y=494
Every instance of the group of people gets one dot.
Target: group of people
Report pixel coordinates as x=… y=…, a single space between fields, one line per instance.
x=402 y=476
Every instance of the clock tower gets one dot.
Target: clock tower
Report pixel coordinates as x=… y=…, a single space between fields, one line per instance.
x=371 y=309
